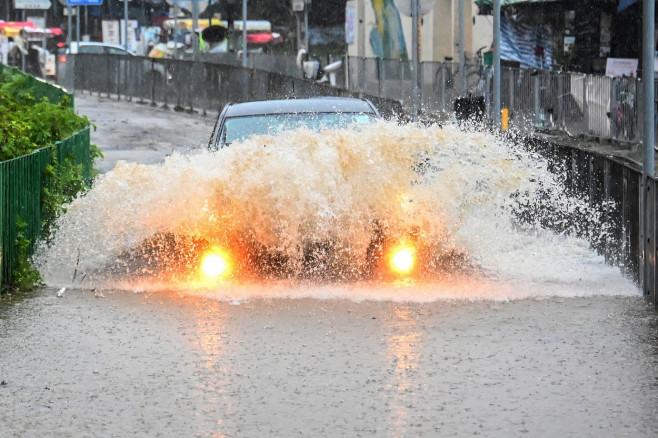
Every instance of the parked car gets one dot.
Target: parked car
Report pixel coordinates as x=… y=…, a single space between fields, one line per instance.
x=238 y=121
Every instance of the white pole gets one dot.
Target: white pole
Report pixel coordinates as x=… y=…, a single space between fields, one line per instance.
x=69 y=33
x=77 y=24
x=308 y=49
x=125 y=24
x=462 y=56
x=195 y=25
x=43 y=41
x=414 y=49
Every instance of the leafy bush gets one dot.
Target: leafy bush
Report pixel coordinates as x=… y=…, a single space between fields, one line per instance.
x=28 y=124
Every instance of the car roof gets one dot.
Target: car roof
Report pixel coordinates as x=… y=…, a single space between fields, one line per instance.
x=309 y=105
x=76 y=44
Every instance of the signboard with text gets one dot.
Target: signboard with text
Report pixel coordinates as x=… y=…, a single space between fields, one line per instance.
x=621 y=67
x=31 y=4
x=84 y=2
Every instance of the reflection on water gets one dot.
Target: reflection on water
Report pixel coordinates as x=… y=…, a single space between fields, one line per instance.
x=208 y=334
x=404 y=343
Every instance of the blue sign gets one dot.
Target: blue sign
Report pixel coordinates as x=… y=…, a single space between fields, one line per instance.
x=84 y=2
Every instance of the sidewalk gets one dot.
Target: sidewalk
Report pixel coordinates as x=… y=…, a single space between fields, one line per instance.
x=139 y=132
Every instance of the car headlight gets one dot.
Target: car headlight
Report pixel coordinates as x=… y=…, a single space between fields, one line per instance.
x=402 y=259
x=216 y=263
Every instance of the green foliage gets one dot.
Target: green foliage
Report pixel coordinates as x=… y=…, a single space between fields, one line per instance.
x=24 y=277
x=27 y=124
x=64 y=182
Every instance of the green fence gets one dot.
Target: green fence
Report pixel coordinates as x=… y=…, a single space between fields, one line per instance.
x=21 y=190
x=40 y=88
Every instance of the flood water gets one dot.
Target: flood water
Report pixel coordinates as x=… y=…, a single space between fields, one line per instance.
x=527 y=333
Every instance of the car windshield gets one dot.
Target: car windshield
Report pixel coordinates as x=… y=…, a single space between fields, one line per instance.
x=240 y=128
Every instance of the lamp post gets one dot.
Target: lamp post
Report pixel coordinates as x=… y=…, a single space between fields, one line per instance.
x=245 y=61
x=496 y=64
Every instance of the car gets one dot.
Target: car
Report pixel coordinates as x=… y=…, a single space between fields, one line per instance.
x=388 y=255
x=239 y=121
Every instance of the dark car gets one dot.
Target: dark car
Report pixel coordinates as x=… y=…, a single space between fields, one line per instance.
x=242 y=256
x=239 y=121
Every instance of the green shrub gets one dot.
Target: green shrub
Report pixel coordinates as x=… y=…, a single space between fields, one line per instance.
x=28 y=124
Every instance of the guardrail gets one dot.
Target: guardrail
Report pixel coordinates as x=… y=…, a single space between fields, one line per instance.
x=22 y=181
x=573 y=102
x=186 y=85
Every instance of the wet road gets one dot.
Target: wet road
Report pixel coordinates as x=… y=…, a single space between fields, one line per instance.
x=164 y=364
x=320 y=363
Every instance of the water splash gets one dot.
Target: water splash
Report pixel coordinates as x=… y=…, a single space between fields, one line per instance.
x=462 y=193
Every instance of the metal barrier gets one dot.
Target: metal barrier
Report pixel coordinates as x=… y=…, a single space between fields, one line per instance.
x=192 y=86
x=626 y=202
x=22 y=181
x=574 y=102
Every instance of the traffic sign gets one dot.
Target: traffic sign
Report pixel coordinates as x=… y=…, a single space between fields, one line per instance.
x=31 y=4
x=297 y=5
x=84 y=2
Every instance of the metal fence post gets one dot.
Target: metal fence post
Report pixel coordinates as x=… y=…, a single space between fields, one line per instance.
x=443 y=86
x=536 y=99
x=380 y=73
x=585 y=104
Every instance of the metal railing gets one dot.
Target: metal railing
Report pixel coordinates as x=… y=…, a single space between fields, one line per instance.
x=573 y=102
x=186 y=85
x=22 y=181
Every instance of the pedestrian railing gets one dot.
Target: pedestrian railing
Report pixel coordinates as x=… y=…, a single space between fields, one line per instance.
x=576 y=103
x=186 y=85
x=22 y=182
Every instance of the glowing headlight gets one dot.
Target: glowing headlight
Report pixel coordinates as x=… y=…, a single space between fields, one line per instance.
x=402 y=259
x=216 y=262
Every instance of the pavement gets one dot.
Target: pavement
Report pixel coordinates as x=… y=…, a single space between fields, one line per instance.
x=282 y=360
x=141 y=133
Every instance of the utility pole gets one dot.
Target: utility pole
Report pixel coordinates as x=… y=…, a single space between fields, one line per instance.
x=125 y=24
x=462 y=55
x=245 y=61
x=648 y=54
x=414 y=56
x=307 y=5
x=496 y=65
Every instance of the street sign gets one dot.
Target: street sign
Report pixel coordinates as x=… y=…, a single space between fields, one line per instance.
x=31 y=4
x=297 y=5
x=84 y=2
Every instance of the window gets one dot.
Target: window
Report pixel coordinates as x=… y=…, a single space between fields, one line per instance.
x=95 y=50
x=115 y=51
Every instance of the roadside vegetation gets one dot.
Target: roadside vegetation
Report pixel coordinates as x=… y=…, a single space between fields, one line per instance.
x=28 y=124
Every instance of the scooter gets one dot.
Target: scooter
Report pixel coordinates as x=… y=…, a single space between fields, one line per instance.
x=312 y=70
